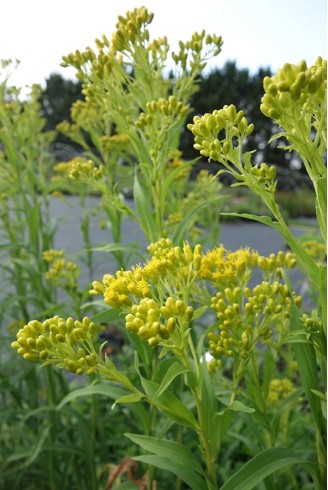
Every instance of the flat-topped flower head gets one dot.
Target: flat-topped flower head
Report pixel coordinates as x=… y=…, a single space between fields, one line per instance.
x=225 y=268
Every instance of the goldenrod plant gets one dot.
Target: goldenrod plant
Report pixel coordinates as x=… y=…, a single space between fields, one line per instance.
x=163 y=302
x=296 y=99
x=130 y=120
x=25 y=224
x=27 y=231
x=223 y=363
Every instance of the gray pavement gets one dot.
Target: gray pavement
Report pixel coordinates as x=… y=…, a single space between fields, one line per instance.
x=233 y=235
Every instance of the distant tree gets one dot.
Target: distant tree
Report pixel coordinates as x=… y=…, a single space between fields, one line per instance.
x=56 y=101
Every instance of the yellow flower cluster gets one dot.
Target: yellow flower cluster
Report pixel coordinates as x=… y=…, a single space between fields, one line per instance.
x=195 y=46
x=294 y=85
x=64 y=167
x=275 y=262
x=226 y=340
x=131 y=29
x=84 y=112
x=225 y=268
x=206 y=130
x=65 y=343
x=158 y=49
x=62 y=272
x=173 y=219
x=117 y=143
x=161 y=108
x=86 y=170
x=265 y=175
x=317 y=250
x=176 y=162
x=312 y=324
x=247 y=316
x=279 y=389
x=268 y=299
x=154 y=323
x=175 y=276
x=52 y=255
x=177 y=264
x=119 y=290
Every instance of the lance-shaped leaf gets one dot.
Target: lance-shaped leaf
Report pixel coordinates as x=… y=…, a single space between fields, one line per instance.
x=266 y=463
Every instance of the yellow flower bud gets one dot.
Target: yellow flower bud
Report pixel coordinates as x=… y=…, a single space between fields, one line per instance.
x=189 y=313
x=144 y=332
x=137 y=323
x=31 y=343
x=153 y=341
x=43 y=355
x=180 y=307
x=29 y=357
x=170 y=324
x=155 y=328
x=15 y=345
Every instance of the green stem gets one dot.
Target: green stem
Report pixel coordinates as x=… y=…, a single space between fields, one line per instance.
x=203 y=434
x=260 y=398
x=51 y=461
x=205 y=445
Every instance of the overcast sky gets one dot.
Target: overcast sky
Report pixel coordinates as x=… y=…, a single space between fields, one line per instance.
x=256 y=33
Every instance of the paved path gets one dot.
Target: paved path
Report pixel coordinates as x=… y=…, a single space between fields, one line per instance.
x=233 y=235
x=242 y=233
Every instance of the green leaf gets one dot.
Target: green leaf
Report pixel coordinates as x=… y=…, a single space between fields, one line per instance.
x=219 y=425
x=199 y=312
x=112 y=392
x=174 y=370
x=266 y=463
x=127 y=485
x=145 y=210
x=33 y=454
x=104 y=389
x=323 y=296
x=265 y=220
x=321 y=204
x=186 y=474
x=130 y=398
x=237 y=406
x=118 y=247
x=173 y=450
x=107 y=316
x=170 y=405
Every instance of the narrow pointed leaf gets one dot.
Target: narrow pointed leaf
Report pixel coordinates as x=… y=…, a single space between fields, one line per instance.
x=174 y=370
x=186 y=474
x=263 y=465
x=170 y=405
x=172 y=450
x=145 y=211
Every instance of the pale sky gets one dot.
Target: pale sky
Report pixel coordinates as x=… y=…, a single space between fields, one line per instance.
x=256 y=33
